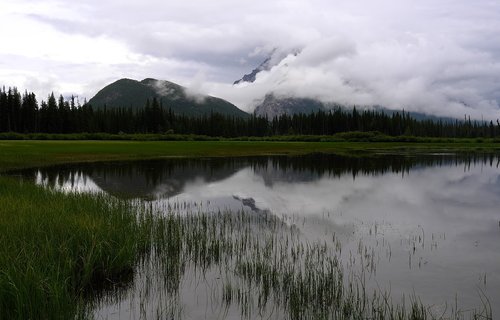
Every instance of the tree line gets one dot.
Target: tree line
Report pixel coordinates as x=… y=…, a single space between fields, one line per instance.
x=22 y=113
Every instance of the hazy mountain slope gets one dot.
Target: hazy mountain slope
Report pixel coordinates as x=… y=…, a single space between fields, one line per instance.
x=273 y=106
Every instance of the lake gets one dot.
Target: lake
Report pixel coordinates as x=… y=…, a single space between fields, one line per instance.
x=421 y=228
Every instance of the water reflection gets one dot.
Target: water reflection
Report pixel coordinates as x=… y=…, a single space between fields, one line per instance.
x=426 y=224
x=166 y=178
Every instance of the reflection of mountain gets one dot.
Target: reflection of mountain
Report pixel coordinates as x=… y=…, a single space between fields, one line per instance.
x=281 y=170
x=159 y=178
x=144 y=179
x=168 y=177
x=312 y=167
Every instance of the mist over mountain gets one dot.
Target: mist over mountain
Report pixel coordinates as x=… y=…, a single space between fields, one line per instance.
x=128 y=93
x=279 y=103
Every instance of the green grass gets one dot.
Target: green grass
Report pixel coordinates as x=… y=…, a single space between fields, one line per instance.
x=30 y=153
x=352 y=136
x=56 y=247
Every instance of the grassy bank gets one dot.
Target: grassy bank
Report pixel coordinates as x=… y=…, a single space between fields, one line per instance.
x=352 y=136
x=55 y=247
x=23 y=154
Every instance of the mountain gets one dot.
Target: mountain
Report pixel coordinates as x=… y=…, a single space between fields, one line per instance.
x=274 y=58
x=250 y=77
x=274 y=107
x=134 y=94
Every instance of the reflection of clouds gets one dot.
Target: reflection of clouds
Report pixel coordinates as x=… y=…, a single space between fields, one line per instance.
x=454 y=209
x=306 y=198
x=434 y=197
x=441 y=199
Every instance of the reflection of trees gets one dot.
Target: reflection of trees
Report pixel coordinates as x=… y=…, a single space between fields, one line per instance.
x=312 y=167
x=168 y=177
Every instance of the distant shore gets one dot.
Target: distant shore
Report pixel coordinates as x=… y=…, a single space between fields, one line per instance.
x=17 y=154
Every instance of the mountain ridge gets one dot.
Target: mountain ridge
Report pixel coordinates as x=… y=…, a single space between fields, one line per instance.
x=129 y=93
x=250 y=77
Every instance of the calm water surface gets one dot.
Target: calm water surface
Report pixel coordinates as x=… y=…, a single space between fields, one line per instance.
x=424 y=226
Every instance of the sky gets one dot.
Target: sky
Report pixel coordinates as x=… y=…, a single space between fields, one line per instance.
x=440 y=57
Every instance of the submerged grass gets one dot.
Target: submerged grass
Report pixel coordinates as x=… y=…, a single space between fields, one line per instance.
x=262 y=265
x=56 y=247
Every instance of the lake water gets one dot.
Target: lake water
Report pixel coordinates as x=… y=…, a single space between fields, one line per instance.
x=425 y=226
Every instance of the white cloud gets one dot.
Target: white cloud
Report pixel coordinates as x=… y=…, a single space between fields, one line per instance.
x=437 y=57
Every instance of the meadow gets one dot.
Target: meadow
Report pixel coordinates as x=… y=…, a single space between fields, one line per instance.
x=16 y=154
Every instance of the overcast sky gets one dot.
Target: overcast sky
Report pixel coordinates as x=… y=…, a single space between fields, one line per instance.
x=436 y=56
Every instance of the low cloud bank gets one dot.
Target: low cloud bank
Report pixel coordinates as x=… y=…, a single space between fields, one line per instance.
x=411 y=73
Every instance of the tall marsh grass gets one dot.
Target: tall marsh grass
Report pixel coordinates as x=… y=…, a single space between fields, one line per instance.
x=55 y=248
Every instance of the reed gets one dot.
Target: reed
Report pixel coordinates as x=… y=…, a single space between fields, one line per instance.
x=57 y=248
x=264 y=264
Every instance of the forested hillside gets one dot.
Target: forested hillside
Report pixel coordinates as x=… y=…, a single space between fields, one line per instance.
x=134 y=94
